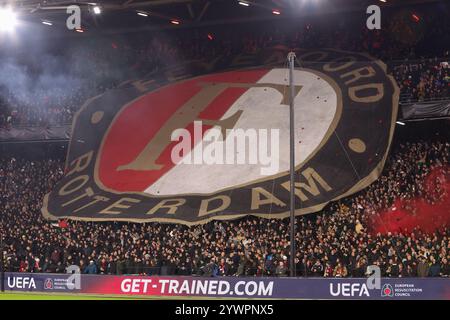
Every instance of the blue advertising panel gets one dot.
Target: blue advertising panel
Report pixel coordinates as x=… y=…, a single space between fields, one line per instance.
x=233 y=287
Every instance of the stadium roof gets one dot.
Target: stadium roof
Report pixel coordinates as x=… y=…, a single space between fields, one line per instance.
x=163 y=13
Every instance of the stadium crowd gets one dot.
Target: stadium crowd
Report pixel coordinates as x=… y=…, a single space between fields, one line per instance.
x=427 y=79
x=337 y=242
x=108 y=62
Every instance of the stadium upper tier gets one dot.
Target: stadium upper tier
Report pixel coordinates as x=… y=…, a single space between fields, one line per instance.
x=46 y=80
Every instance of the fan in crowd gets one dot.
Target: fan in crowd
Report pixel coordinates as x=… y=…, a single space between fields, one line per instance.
x=336 y=242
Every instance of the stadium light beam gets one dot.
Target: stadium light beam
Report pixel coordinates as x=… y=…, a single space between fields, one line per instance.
x=8 y=19
x=97 y=10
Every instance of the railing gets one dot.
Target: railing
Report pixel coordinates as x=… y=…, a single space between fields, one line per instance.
x=205 y=272
x=404 y=100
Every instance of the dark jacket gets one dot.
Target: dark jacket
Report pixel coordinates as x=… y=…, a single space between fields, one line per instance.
x=435 y=270
x=91 y=269
x=422 y=269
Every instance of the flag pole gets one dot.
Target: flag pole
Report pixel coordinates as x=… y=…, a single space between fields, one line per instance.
x=291 y=58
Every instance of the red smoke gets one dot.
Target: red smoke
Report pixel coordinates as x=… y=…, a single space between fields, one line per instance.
x=409 y=214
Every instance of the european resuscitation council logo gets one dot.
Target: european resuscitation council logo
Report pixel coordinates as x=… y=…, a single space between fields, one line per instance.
x=387 y=290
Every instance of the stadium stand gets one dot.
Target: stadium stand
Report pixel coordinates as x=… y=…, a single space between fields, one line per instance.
x=338 y=242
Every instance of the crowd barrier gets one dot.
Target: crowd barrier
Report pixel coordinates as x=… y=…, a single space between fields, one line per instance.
x=35 y=133
x=232 y=287
x=409 y=111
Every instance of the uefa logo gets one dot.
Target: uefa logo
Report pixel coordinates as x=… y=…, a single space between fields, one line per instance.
x=387 y=290
x=48 y=284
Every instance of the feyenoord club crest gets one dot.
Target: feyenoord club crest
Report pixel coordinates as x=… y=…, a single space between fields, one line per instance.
x=188 y=149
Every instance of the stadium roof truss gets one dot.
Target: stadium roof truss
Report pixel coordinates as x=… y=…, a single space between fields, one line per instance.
x=197 y=11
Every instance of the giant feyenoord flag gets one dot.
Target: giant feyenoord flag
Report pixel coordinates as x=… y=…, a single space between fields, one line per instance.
x=120 y=163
